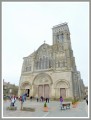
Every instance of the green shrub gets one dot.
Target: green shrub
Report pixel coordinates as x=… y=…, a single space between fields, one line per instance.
x=74 y=101
x=45 y=105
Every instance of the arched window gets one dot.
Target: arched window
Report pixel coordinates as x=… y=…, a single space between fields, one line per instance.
x=43 y=63
x=68 y=37
x=61 y=37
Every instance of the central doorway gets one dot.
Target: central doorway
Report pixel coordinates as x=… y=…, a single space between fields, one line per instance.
x=46 y=91
x=40 y=90
x=43 y=90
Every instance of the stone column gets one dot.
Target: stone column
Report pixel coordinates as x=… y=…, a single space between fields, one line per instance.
x=50 y=88
x=31 y=90
x=30 y=94
x=37 y=90
x=67 y=92
x=43 y=90
x=19 y=92
x=52 y=91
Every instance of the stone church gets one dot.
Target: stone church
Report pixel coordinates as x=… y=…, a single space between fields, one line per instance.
x=51 y=71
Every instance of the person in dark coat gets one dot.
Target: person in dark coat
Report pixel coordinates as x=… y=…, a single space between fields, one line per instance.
x=48 y=99
x=37 y=99
x=87 y=100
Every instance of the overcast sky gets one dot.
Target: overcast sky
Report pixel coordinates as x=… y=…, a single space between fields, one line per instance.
x=25 y=26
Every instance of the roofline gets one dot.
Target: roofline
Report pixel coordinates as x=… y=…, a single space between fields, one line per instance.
x=60 y=25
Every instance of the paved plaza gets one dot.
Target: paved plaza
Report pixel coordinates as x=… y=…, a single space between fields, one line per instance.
x=53 y=110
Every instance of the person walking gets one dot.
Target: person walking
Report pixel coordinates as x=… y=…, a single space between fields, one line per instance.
x=61 y=101
x=23 y=99
x=48 y=99
x=87 y=100
x=37 y=99
x=12 y=100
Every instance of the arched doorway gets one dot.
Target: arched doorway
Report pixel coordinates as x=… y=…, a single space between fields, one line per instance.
x=61 y=88
x=43 y=90
x=63 y=92
x=46 y=90
x=43 y=82
x=40 y=90
x=25 y=88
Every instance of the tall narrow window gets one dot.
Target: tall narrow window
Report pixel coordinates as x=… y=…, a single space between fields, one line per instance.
x=68 y=37
x=43 y=62
x=47 y=63
x=26 y=69
x=50 y=64
x=40 y=63
x=58 y=37
x=61 y=37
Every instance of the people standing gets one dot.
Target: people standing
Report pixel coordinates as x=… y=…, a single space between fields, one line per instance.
x=41 y=98
x=37 y=99
x=23 y=98
x=61 y=101
x=87 y=100
x=48 y=99
x=12 y=100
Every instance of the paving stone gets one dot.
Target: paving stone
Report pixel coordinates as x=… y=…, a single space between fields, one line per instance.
x=54 y=110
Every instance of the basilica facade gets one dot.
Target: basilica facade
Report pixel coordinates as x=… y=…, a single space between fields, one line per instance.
x=51 y=71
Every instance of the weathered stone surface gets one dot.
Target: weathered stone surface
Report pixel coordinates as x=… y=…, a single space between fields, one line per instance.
x=51 y=71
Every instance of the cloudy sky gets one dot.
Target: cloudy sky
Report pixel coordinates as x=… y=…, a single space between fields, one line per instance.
x=25 y=26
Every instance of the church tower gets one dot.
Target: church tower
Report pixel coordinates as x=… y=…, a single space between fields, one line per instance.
x=51 y=71
x=61 y=35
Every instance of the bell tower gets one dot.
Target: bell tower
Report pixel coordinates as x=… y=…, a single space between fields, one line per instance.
x=61 y=35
